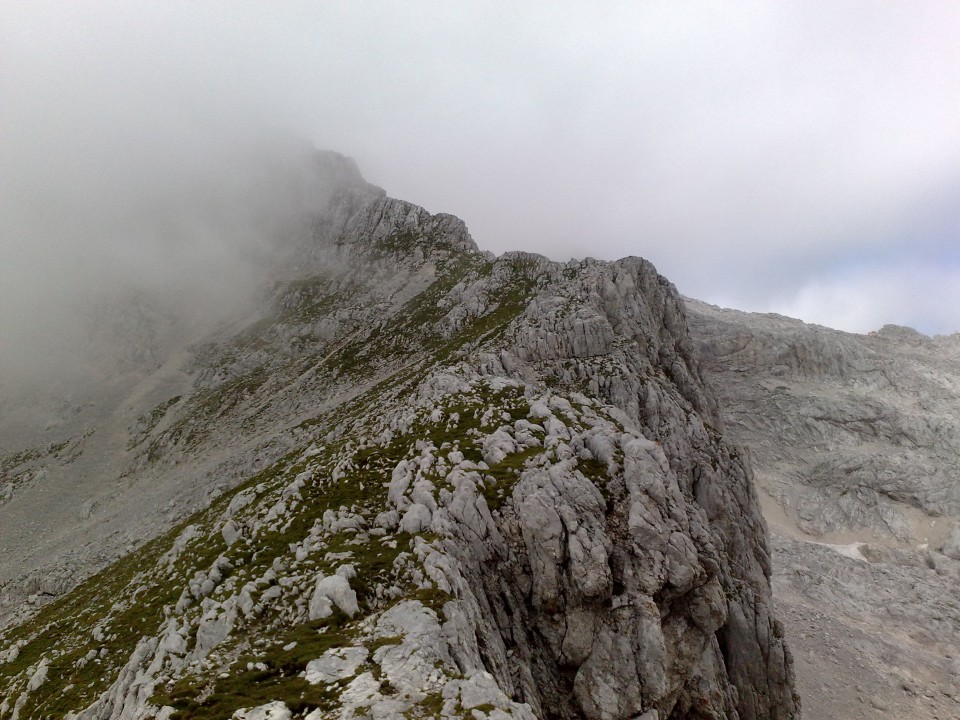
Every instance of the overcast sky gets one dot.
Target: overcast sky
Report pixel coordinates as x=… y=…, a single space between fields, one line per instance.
x=797 y=157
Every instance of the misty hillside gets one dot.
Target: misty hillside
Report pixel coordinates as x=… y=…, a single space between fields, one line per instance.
x=411 y=480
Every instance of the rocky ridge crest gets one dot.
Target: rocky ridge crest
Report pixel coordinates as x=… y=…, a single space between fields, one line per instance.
x=455 y=485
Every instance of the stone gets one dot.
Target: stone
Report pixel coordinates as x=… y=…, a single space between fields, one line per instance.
x=562 y=527
x=853 y=438
x=951 y=546
x=416 y=519
x=337 y=664
x=271 y=711
x=330 y=590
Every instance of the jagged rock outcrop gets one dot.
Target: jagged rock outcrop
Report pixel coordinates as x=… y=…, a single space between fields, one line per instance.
x=456 y=485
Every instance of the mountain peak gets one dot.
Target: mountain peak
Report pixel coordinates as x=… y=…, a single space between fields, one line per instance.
x=397 y=227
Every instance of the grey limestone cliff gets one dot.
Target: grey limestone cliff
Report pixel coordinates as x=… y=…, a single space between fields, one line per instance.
x=855 y=441
x=850 y=432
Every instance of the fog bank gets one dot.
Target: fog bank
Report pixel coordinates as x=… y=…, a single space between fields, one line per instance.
x=784 y=156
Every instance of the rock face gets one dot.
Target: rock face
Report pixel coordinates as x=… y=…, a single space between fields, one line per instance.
x=456 y=486
x=854 y=441
x=849 y=433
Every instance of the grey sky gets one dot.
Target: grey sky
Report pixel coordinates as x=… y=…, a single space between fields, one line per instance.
x=800 y=157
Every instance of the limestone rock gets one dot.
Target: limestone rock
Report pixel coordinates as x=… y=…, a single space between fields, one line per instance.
x=335 y=665
x=329 y=591
x=855 y=441
x=271 y=711
x=951 y=546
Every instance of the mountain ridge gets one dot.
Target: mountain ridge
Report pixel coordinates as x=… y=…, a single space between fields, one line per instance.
x=433 y=483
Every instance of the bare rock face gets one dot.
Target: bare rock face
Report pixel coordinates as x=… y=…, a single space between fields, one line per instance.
x=849 y=433
x=854 y=442
x=451 y=485
x=632 y=584
x=951 y=546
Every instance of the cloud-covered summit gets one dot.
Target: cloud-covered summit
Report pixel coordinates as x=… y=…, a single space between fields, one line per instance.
x=794 y=157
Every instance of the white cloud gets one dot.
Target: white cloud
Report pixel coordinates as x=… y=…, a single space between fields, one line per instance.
x=861 y=300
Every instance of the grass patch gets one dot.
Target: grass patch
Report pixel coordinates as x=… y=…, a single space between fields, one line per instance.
x=258 y=678
x=501 y=477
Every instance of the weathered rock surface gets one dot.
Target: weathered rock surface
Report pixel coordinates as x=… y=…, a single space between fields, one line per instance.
x=854 y=444
x=848 y=433
x=435 y=484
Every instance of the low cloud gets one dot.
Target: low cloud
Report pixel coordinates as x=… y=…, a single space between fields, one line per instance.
x=770 y=155
x=190 y=232
x=864 y=299
x=120 y=180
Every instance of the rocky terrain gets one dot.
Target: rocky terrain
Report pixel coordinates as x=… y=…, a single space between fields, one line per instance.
x=855 y=445
x=420 y=481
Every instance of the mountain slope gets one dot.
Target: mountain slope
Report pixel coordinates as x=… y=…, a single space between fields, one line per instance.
x=459 y=486
x=854 y=442
x=854 y=433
